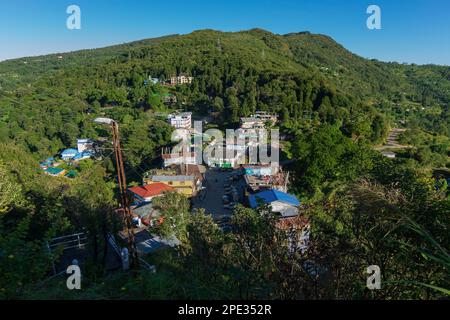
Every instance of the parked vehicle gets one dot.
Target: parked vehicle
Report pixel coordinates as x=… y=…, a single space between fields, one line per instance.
x=224 y=220
x=226 y=199
x=230 y=206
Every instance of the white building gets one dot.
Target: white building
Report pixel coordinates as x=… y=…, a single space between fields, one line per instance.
x=265 y=116
x=179 y=159
x=224 y=155
x=181 y=79
x=84 y=145
x=389 y=154
x=261 y=170
x=258 y=120
x=180 y=121
x=252 y=123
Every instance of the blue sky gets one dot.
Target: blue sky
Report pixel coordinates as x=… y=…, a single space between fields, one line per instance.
x=414 y=31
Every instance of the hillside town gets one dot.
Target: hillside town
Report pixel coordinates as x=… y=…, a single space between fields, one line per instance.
x=215 y=163
x=216 y=183
x=217 y=186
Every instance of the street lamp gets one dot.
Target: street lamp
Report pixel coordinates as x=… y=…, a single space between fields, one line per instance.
x=107 y=121
x=124 y=200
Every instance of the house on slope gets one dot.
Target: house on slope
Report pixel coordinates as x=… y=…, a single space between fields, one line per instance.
x=82 y=155
x=298 y=230
x=55 y=172
x=49 y=162
x=296 y=227
x=84 y=145
x=145 y=213
x=185 y=184
x=181 y=79
x=72 y=154
x=71 y=174
x=283 y=203
x=147 y=192
x=68 y=154
x=181 y=120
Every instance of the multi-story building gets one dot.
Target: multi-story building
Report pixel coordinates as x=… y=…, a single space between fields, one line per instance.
x=266 y=177
x=181 y=120
x=181 y=79
x=84 y=145
x=185 y=184
x=258 y=120
x=298 y=230
x=225 y=156
x=265 y=116
x=252 y=123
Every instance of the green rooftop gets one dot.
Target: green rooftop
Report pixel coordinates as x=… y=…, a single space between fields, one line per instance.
x=71 y=174
x=53 y=171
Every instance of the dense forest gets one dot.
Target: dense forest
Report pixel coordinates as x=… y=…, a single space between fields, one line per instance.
x=334 y=108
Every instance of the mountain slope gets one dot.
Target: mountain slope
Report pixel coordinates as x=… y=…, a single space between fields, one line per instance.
x=45 y=101
x=295 y=52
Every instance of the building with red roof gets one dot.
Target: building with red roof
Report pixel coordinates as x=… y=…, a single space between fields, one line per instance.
x=149 y=191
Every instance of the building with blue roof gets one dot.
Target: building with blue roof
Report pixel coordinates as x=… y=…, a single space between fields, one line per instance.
x=68 y=154
x=82 y=155
x=47 y=163
x=284 y=203
x=73 y=154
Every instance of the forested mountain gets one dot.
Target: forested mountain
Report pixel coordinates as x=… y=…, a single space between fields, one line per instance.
x=334 y=107
x=296 y=52
x=297 y=75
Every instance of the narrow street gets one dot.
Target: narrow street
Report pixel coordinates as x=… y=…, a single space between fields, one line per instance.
x=210 y=198
x=392 y=140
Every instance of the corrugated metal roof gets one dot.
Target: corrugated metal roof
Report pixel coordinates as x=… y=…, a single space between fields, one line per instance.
x=150 y=190
x=250 y=119
x=69 y=151
x=71 y=174
x=145 y=209
x=172 y=178
x=54 y=170
x=269 y=196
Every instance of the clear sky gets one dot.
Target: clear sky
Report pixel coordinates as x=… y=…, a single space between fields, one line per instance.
x=414 y=31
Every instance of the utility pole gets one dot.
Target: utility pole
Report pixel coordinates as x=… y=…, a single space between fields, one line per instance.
x=124 y=199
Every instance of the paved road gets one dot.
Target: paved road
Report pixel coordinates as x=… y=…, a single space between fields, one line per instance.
x=210 y=199
x=392 y=142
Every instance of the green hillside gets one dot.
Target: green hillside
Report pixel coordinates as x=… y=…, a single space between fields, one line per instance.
x=247 y=65
x=335 y=108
